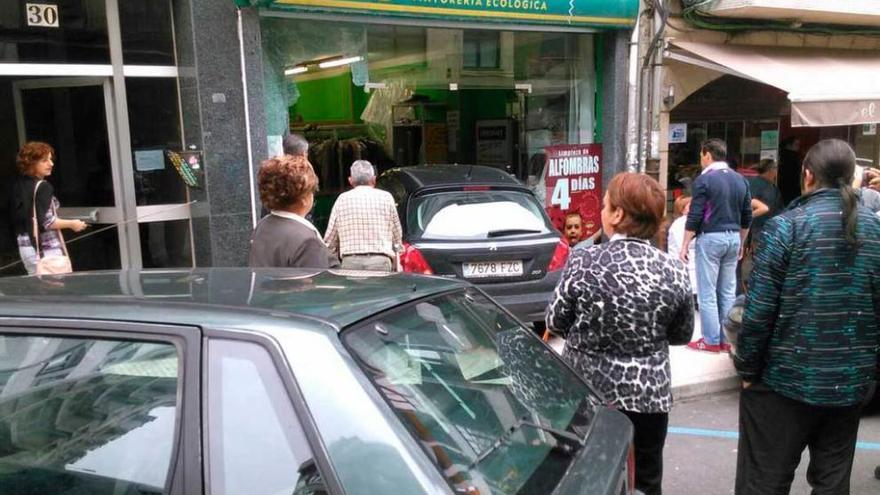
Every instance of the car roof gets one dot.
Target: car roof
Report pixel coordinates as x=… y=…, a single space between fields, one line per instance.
x=227 y=296
x=423 y=176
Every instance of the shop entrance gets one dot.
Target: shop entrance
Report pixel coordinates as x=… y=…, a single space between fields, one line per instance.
x=137 y=205
x=403 y=95
x=73 y=115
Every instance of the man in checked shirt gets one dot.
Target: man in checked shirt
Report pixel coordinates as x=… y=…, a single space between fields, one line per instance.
x=364 y=229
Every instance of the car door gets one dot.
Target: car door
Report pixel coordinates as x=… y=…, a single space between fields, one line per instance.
x=98 y=407
x=257 y=433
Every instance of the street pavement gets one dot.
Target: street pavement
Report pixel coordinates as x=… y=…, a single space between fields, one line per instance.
x=700 y=455
x=701 y=446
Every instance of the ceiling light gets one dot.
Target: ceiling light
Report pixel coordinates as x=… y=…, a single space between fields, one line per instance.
x=296 y=70
x=339 y=61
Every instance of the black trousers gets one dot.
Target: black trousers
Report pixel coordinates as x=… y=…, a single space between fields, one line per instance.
x=773 y=432
x=649 y=435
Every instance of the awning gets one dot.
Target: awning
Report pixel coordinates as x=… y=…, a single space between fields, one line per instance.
x=826 y=87
x=567 y=13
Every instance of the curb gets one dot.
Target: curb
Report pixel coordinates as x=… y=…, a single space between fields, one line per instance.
x=700 y=389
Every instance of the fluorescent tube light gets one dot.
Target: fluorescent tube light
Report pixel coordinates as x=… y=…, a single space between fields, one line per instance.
x=339 y=61
x=296 y=70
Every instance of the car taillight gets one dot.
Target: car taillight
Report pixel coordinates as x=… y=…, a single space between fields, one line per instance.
x=412 y=261
x=560 y=255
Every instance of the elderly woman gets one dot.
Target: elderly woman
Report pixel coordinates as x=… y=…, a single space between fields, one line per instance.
x=620 y=305
x=284 y=238
x=32 y=197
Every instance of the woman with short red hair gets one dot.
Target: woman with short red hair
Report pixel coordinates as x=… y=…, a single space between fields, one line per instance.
x=620 y=305
x=284 y=238
x=33 y=199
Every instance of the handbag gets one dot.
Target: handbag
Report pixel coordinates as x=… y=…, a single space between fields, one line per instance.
x=50 y=264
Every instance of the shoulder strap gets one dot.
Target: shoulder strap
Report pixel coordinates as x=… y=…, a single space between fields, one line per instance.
x=35 y=224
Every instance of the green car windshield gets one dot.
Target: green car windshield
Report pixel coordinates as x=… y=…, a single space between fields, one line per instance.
x=491 y=405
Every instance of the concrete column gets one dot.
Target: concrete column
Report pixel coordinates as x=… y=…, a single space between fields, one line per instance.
x=613 y=85
x=215 y=121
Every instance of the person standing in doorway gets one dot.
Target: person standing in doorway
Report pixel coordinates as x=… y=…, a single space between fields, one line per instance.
x=807 y=349
x=364 y=229
x=33 y=199
x=719 y=218
x=789 y=177
x=295 y=145
x=766 y=204
x=621 y=304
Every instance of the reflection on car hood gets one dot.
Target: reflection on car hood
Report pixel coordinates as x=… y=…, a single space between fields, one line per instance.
x=339 y=296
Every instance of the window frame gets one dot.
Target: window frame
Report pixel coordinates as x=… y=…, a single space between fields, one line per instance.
x=185 y=455
x=294 y=393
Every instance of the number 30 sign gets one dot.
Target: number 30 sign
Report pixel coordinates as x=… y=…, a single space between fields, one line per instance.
x=42 y=14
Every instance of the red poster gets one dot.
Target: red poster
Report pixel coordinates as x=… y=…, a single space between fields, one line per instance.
x=573 y=176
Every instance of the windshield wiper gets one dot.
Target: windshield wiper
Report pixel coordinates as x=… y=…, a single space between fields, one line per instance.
x=504 y=232
x=569 y=443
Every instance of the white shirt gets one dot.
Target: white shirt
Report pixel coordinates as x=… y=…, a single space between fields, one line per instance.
x=674 y=240
x=715 y=166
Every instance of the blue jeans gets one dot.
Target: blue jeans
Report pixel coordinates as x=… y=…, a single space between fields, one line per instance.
x=716 y=254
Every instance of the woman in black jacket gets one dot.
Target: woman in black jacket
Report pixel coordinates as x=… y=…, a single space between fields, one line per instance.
x=620 y=305
x=35 y=162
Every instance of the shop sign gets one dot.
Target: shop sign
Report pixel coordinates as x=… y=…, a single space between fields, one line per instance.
x=41 y=14
x=573 y=178
x=769 y=140
x=494 y=143
x=559 y=12
x=678 y=133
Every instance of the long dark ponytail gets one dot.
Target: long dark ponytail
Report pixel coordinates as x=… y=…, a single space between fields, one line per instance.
x=833 y=163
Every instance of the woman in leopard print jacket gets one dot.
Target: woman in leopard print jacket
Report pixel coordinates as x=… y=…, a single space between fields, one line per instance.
x=620 y=305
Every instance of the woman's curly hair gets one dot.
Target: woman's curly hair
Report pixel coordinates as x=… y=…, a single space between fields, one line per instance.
x=31 y=153
x=286 y=181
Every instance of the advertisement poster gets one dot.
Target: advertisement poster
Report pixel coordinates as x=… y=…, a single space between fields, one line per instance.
x=573 y=178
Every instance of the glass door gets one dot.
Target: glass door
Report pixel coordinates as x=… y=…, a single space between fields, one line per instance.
x=74 y=115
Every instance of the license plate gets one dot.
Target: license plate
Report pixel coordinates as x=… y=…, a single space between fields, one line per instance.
x=485 y=269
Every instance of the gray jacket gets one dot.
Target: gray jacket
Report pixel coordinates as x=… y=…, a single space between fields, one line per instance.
x=282 y=242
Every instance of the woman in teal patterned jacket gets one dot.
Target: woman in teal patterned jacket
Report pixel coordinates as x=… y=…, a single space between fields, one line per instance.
x=808 y=347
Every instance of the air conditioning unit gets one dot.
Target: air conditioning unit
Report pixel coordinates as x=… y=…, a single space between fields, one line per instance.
x=842 y=12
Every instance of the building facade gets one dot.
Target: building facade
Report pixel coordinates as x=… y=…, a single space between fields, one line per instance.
x=161 y=111
x=770 y=77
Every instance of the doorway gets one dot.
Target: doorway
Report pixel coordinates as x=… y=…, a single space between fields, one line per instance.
x=137 y=208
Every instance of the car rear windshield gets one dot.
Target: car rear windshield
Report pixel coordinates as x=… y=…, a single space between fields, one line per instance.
x=476 y=215
x=491 y=405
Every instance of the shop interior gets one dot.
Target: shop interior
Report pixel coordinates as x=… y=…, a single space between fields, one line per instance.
x=755 y=121
x=403 y=95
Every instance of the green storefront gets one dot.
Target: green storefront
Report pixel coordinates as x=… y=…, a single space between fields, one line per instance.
x=405 y=82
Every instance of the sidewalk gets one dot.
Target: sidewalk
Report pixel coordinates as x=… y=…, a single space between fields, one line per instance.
x=694 y=373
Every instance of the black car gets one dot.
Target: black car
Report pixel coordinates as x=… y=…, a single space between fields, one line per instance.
x=228 y=381
x=479 y=224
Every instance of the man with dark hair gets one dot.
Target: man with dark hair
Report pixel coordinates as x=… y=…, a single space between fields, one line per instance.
x=295 y=145
x=719 y=218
